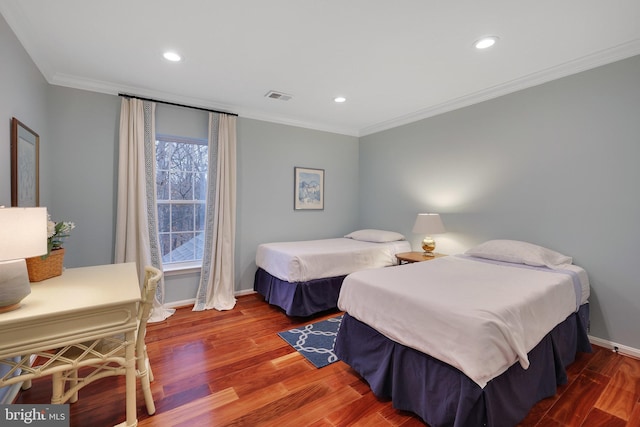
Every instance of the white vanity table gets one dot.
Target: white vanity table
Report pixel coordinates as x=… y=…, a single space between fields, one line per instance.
x=83 y=304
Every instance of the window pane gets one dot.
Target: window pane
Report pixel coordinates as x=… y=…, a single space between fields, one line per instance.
x=182 y=218
x=181 y=182
x=200 y=186
x=202 y=153
x=165 y=247
x=182 y=157
x=200 y=215
x=182 y=247
x=162 y=185
x=164 y=218
x=181 y=186
x=163 y=153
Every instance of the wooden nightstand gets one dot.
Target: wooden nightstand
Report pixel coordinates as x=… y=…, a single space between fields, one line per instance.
x=410 y=257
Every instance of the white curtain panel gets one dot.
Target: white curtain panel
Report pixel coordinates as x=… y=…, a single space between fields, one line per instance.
x=136 y=218
x=217 y=280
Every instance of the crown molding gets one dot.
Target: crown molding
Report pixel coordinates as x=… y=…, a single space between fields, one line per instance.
x=258 y=115
x=92 y=85
x=596 y=59
x=575 y=66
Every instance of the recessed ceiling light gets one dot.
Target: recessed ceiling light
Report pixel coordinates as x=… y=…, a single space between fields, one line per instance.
x=485 y=42
x=339 y=99
x=171 y=56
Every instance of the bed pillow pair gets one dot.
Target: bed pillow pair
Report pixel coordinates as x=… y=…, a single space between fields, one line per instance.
x=520 y=253
x=376 y=236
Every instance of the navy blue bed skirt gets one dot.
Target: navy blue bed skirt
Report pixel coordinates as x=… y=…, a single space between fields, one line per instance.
x=442 y=395
x=300 y=298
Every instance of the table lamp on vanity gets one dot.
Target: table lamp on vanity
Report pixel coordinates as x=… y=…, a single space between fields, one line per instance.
x=23 y=234
x=428 y=224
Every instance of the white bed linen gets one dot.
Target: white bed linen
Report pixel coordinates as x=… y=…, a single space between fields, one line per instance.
x=316 y=259
x=476 y=316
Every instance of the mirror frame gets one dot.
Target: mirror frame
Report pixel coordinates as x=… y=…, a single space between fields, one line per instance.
x=25 y=165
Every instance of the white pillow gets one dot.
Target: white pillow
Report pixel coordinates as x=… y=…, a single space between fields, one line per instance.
x=520 y=253
x=376 y=236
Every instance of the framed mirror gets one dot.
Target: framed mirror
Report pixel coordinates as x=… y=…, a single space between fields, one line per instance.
x=25 y=165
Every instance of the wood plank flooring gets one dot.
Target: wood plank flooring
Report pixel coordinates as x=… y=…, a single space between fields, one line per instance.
x=231 y=369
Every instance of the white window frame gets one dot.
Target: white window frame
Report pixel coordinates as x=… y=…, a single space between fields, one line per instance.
x=184 y=266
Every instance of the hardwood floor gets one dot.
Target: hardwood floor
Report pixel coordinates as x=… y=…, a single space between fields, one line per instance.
x=231 y=369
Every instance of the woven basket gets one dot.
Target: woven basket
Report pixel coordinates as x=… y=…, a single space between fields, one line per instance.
x=41 y=269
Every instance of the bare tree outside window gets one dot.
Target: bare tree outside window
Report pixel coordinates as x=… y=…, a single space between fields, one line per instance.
x=181 y=181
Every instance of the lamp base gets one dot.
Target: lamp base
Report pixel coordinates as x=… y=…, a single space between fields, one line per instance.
x=428 y=246
x=14 y=284
x=9 y=307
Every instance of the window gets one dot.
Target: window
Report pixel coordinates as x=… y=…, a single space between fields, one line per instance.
x=181 y=181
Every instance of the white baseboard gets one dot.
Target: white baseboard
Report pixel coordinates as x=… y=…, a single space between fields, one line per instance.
x=245 y=292
x=618 y=348
x=192 y=301
x=178 y=304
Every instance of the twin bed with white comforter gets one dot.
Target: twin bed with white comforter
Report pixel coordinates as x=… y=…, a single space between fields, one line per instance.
x=304 y=277
x=467 y=340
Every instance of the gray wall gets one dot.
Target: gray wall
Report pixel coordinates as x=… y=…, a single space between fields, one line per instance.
x=82 y=187
x=23 y=95
x=555 y=165
x=24 y=92
x=178 y=121
x=267 y=155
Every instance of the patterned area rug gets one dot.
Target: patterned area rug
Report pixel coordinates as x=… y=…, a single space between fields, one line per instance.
x=315 y=341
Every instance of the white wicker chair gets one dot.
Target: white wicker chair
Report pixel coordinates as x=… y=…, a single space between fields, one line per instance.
x=106 y=356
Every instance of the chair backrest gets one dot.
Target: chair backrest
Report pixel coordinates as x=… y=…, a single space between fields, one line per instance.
x=151 y=278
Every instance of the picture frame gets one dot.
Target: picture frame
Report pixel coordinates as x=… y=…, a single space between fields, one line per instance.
x=308 y=189
x=25 y=165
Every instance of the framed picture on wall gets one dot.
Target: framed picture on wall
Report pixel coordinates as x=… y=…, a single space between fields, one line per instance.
x=25 y=159
x=308 y=190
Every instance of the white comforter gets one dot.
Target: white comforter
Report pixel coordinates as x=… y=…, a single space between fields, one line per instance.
x=315 y=259
x=476 y=316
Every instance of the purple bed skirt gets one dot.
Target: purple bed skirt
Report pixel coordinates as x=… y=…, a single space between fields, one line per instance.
x=300 y=298
x=442 y=395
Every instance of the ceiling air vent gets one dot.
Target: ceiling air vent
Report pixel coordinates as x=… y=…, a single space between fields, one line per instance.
x=278 y=95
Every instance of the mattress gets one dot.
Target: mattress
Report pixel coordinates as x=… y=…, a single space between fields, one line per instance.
x=308 y=260
x=479 y=317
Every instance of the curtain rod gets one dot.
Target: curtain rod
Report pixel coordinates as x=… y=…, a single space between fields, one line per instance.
x=126 y=95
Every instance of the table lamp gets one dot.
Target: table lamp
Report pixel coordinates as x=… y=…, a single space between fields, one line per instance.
x=23 y=234
x=428 y=224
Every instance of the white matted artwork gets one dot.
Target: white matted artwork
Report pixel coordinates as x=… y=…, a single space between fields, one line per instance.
x=308 y=190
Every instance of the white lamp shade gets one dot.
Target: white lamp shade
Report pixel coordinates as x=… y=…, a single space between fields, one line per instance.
x=23 y=233
x=428 y=223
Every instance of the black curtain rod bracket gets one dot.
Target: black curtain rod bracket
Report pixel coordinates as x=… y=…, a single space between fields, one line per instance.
x=126 y=95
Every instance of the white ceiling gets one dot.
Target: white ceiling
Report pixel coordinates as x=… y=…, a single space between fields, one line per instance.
x=395 y=61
